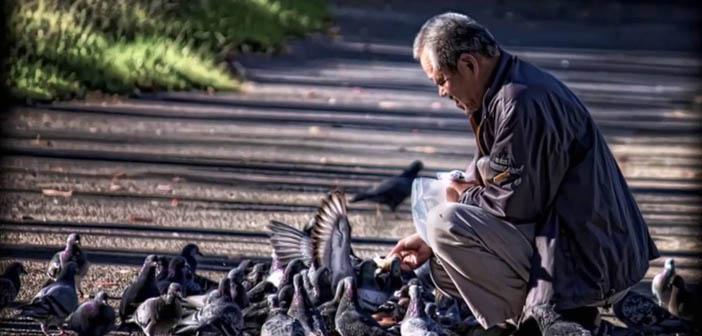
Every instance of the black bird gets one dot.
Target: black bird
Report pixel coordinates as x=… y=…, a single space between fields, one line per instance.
x=279 y=323
x=682 y=303
x=416 y=321
x=350 y=320
x=370 y=296
x=10 y=284
x=72 y=252
x=177 y=269
x=92 y=318
x=143 y=288
x=393 y=191
x=331 y=237
x=56 y=301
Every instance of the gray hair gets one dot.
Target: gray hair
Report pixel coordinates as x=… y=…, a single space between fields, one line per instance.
x=446 y=36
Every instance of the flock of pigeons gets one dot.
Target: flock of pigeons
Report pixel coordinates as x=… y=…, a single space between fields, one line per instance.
x=314 y=285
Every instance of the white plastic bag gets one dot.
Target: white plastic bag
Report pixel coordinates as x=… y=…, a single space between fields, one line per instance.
x=427 y=193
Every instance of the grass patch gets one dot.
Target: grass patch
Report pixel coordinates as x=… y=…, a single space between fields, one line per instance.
x=61 y=48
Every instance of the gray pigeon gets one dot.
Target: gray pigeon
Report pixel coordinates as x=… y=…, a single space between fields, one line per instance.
x=143 y=288
x=350 y=320
x=93 y=318
x=255 y=276
x=10 y=284
x=56 y=301
x=331 y=237
x=661 y=285
x=199 y=301
x=72 y=252
x=393 y=191
x=236 y=287
x=159 y=315
x=279 y=323
x=416 y=321
x=220 y=315
x=286 y=289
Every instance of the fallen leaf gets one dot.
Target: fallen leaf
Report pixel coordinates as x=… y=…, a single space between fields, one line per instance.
x=136 y=219
x=57 y=193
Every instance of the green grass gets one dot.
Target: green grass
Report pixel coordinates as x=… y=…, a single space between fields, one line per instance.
x=61 y=48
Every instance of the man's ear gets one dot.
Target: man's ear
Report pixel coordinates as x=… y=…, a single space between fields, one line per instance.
x=468 y=62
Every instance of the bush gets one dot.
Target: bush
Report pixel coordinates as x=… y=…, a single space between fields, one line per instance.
x=61 y=48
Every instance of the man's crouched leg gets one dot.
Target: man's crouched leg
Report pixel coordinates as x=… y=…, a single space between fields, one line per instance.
x=482 y=259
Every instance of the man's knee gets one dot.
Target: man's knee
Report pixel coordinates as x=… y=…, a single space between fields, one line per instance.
x=444 y=222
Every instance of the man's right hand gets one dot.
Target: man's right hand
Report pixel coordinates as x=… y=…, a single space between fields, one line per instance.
x=412 y=251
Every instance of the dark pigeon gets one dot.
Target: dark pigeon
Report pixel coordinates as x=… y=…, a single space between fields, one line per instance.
x=393 y=191
x=279 y=323
x=72 y=252
x=177 y=270
x=286 y=289
x=416 y=321
x=10 y=284
x=143 y=288
x=682 y=303
x=255 y=276
x=302 y=310
x=320 y=289
x=93 y=318
x=159 y=315
x=370 y=295
x=190 y=252
x=331 y=238
x=350 y=320
x=56 y=301
x=238 y=293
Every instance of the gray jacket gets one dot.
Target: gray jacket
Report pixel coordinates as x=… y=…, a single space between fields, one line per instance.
x=547 y=163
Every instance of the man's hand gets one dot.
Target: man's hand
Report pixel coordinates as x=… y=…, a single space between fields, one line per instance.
x=456 y=188
x=412 y=251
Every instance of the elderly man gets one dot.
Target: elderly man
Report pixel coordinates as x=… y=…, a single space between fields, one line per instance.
x=546 y=229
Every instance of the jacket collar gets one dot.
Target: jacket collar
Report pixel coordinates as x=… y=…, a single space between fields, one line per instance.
x=504 y=64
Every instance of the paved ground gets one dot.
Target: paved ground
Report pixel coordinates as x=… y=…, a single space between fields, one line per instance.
x=151 y=173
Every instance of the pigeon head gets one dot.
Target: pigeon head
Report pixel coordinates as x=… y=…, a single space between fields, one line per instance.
x=101 y=297
x=395 y=269
x=416 y=305
x=15 y=269
x=298 y=285
x=236 y=274
x=366 y=272
x=293 y=267
x=413 y=169
x=150 y=263
x=191 y=250
x=175 y=290
x=669 y=265
x=256 y=274
x=73 y=240
x=430 y=309
x=177 y=268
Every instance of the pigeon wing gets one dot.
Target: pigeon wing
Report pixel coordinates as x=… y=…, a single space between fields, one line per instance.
x=290 y=243
x=326 y=227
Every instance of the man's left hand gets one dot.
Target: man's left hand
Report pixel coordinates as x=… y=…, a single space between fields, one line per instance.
x=456 y=188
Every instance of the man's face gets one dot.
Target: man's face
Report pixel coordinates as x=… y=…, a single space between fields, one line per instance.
x=461 y=85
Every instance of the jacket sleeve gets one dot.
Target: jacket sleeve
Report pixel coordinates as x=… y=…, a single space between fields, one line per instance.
x=526 y=162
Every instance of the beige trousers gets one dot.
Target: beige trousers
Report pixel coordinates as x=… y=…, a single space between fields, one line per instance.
x=482 y=259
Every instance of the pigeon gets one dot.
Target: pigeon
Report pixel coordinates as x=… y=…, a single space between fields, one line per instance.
x=393 y=191
x=682 y=304
x=331 y=238
x=72 y=252
x=238 y=294
x=279 y=323
x=275 y=273
x=190 y=252
x=416 y=321
x=350 y=320
x=177 y=269
x=10 y=284
x=56 y=301
x=92 y=318
x=255 y=276
x=158 y=315
x=199 y=301
x=219 y=314
x=143 y=288
x=319 y=286
x=286 y=290
x=391 y=280
x=662 y=282
x=370 y=296
x=290 y=243
x=302 y=310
